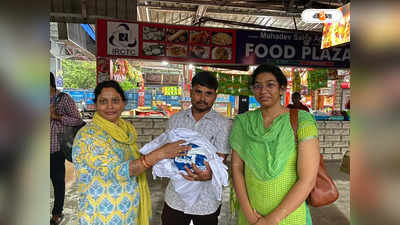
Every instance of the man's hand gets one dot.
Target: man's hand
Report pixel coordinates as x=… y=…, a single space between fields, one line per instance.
x=198 y=175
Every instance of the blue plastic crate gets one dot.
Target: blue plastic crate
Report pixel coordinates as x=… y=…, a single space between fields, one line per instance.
x=160 y=97
x=336 y=118
x=321 y=117
x=89 y=94
x=77 y=96
x=146 y=96
x=128 y=95
x=175 y=97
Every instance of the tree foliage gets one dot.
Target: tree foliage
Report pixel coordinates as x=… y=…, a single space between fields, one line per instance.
x=79 y=74
x=82 y=74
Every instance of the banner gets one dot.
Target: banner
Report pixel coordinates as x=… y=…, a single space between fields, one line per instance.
x=288 y=49
x=125 y=39
x=339 y=32
x=191 y=44
x=103 y=69
x=317 y=79
x=231 y=84
x=120 y=70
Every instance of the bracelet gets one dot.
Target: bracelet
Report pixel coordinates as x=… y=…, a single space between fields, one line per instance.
x=145 y=164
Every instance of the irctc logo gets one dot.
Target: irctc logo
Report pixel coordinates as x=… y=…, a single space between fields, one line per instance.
x=321 y=15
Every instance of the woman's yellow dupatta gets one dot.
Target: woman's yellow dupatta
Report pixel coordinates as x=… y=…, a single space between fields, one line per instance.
x=125 y=133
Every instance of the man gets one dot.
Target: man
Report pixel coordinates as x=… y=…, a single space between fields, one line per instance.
x=63 y=112
x=216 y=128
x=296 y=102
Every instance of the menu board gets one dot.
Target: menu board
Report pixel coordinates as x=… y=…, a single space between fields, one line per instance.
x=192 y=44
x=166 y=42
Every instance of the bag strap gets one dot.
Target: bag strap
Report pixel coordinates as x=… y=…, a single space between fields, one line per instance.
x=294 y=121
x=58 y=98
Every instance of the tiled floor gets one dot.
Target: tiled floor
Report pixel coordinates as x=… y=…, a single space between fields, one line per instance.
x=335 y=214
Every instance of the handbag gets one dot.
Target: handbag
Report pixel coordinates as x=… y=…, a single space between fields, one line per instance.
x=325 y=191
x=66 y=139
x=345 y=166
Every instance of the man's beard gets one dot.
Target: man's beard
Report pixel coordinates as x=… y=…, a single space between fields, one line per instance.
x=201 y=110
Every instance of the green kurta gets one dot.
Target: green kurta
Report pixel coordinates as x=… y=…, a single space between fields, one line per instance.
x=270 y=159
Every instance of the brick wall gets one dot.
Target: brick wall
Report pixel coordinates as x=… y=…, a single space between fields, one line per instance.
x=338 y=95
x=147 y=129
x=334 y=138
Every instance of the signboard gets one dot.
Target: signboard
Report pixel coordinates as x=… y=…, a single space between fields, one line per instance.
x=103 y=68
x=120 y=70
x=161 y=79
x=288 y=49
x=123 y=39
x=170 y=79
x=165 y=42
x=152 y=79
x=172 y=91
x=345 y=85
x=59 y=81
x=338 y=32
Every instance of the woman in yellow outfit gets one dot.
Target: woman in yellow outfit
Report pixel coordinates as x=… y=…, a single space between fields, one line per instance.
x=272 y=179
x=113 y=189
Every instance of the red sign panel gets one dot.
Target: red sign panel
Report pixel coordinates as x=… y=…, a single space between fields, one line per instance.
x=345 y=85
x=122 y=39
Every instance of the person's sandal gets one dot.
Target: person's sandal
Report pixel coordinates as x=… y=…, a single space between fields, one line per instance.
x=56 y=219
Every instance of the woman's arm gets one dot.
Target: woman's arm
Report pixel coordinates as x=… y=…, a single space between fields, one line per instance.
x=99 y=157
x=240 y=188
x=307 y=168
x=169 y=150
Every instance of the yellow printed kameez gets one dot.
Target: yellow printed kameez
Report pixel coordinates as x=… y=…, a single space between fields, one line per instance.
x=108 y=195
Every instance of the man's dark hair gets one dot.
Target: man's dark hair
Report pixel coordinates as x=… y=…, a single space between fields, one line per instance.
x=269 y=68
x=109 y=84
x=205 y=79
x=296 y=94
x=52 y=80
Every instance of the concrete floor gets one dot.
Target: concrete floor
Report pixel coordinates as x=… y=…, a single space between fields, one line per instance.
x=337 y=213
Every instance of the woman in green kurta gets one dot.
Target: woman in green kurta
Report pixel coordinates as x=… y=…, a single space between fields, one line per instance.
x=271 y=178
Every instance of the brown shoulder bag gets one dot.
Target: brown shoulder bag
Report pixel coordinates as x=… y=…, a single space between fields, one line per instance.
x=324 y=191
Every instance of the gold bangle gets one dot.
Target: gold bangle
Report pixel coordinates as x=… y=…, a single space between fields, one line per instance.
x=143 y=163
